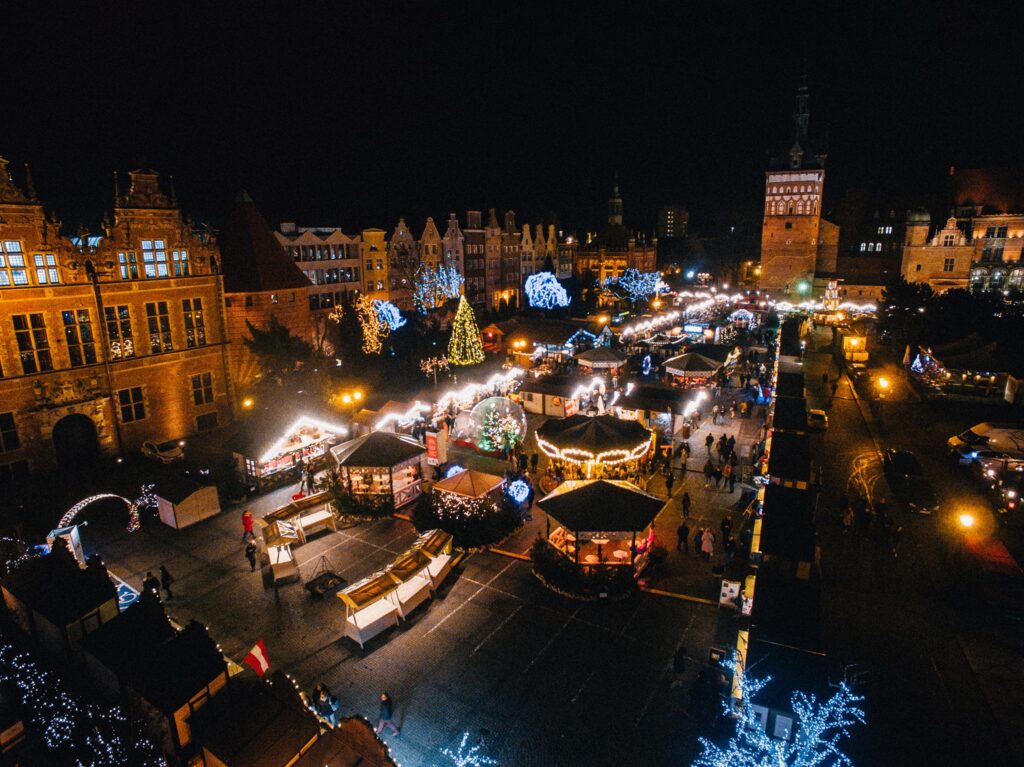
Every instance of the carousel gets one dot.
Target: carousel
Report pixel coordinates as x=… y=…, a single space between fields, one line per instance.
x=600 y=522
x=596 y=444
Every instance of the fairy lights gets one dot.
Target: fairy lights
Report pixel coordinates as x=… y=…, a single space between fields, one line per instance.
x=300 y=422
x=134 y=522
x=585 y=457
x=403 y=419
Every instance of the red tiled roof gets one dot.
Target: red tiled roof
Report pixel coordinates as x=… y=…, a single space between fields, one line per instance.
x=252 y=259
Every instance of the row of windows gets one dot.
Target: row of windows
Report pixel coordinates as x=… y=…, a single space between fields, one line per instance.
x=33 y=342
x=15 y=269
x=791 y=209
x=871 y=247
x=798 y=189
x=132 y=404
x=322 y=252
x=155 y=262
x=948 y=265
x=333 y=276
x=369 y=264
x=885 y=230
x=996 y=231
x=992 y=254
x=327 y=300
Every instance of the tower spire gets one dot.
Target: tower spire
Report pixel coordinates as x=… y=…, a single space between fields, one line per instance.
x=615 y=204
x=30 y=186
x=117 y=190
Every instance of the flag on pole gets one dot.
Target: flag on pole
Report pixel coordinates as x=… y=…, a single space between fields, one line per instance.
x=257 y=659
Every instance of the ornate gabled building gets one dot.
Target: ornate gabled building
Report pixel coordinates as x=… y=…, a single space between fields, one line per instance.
x=403 y=260
x=453 y=245
x=261 y=283
x=616 y=249
x=474 y=260
x=430 y=245
x=796 y=242
x=106 y=341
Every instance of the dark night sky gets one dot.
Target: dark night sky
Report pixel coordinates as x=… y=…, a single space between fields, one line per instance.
x=351 y=113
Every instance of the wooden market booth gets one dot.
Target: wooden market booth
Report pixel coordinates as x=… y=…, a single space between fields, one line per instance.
x=601 y=358
x=382 y=465
x=599 y=521
x=306 y=515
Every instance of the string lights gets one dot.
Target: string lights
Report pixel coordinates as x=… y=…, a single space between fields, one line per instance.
x=470 y=756
x=544 y=291
x=465 y=347
x=584 y=457
x=134 y=522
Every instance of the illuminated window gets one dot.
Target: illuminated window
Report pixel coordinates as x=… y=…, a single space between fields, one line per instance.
x=33 y=344
x=195 y=322
x=131 y=405
x=179 y=260
x=159 y=323
x=863 y=247
x=78 y=334
x=119 y=331
x=129 y=266
x=202 y=388
x=12 y=264
x=154 y=258
x=46 y=269
x=8 y=433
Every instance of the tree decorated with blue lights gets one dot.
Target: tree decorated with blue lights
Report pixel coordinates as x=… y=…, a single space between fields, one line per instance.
x=388 y=314
x=634 y=284
x=432 y=288
x=467 y=756
x=819 y=728
x=544 y=291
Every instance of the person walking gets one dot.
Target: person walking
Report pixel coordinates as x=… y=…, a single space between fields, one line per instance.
x=732 y=475
x=718 y=478
x=710 y=442
x=670 y=479
x=707 y=545
x=326 y=705
x=726 y=526
x=387 y=711
x=730 y=445
x=534 y=460
x=247 y=523
x=730 y=549
x=727 y=475
x=166 y=579
x=709 y=472
x=686 y=505
x=150 y=583
x=250 y=554
x=683 y=534
x=697 y=538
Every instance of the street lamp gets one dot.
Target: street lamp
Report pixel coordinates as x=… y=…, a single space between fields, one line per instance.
x=883 y=384
x=966 y=521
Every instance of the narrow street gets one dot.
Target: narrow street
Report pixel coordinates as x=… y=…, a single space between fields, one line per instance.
x=910 y=626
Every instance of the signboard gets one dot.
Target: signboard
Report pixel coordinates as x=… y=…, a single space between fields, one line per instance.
x=437 y=447
x=693 y=328
x=730 y=590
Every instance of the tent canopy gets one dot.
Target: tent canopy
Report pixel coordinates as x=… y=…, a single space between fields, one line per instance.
x=691 y=364
x=470 y=483
x=368 y=591
x=601 y=357
x=601 y=505
x=377 y=449
x=594 y=434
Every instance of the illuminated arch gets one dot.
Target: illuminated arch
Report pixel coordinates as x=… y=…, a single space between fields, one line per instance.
x=133 y=510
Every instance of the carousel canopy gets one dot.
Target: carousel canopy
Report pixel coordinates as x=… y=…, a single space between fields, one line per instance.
x=601 y=505
x=601 y=357
x=378 y=448
x=691 y=364
x=470 y=483
x=594 y=434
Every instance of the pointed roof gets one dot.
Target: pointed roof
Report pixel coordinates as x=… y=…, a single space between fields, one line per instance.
x=601 y=505
x=601 y=356
x=376 y=449
x=471 y=483
x=252 y=258
x=9 y=191
x=595 y=434
x=430 y=230
x=693 y=363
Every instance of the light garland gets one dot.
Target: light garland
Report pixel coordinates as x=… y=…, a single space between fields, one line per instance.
x=403 y=419
x=470 y=391
x=467 y=757
x=369 y=322
x=301 y=421
x=635 y=284
x=544 y=291
x=435 y=286
x=388 y=315
x=453 y=506
x=582 y=457
x=465 y=347
x=134 y=523
x=518 y=491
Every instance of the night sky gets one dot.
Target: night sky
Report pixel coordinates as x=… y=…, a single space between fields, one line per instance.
x=353 y=113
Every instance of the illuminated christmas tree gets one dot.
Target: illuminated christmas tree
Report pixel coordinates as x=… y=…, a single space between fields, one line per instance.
x=465 y=347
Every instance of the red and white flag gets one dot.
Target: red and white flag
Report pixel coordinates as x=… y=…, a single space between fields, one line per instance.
x=257 y=659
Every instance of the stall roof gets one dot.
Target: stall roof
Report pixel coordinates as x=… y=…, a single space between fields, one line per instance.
x=791 y=669
x=601 y=505
x=786 y=610
x=790 y=456
x=377 y=449
x=470 y=483
x=655 y=398
x=790 y=414
x=601 y=356
x=293 y=508
x=718 y=352
x=367 y=591
x=56 y=587
x=407 y=565
x=353 y=743
x=558 y=386
x=790 y=503
x=790 y=385
x=595 y=434
x=166 y=667
x=691 y=363
x=264 y=428
x=541 y=330
x=175 y=487
x=254 y=723
x=434 y=542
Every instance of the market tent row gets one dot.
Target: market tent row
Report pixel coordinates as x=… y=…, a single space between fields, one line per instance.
x=290 y=525
x=594 y=441
x=376 y=603
x=599 y=520
x=272 y=445
x=381 y=465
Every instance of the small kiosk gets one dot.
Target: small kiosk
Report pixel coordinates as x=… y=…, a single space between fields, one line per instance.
x=437 y=546
x=382 y=465
x=691 y=369
x=602 y=358
x=307 y=515
x=278 y=538
x=412 y=577
x=181 y=501
x=369 y=610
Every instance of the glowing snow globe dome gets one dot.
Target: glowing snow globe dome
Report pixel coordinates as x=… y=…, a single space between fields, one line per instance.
x=492 y=417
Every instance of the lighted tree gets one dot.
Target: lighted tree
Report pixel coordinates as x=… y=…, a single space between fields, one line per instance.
x=374 y=331
x=465 y=347
x=819 y=729
x=544 y=291
x=467 y=756
x=433 y=287
x=634 y=284
x=431 y=366
x=490 y=432
x=388 y=315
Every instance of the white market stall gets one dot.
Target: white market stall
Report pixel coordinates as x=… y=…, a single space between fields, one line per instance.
x=181 y=501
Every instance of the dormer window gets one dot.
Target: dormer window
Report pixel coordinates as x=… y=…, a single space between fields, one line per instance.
x=948 y=240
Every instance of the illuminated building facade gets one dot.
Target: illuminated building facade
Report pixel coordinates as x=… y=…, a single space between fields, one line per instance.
x=616 y=249
x=107 y=340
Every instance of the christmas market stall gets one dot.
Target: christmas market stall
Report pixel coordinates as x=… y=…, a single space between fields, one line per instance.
x=278 y=538
x=691 y=369
x=305 y=515
x=272 y=445
x=600 y=444
x=601 y=358
x=601 y=522
x=410 y=572
x=368 y=610
x=437 y=545
x=381 y=466
x=181 y=501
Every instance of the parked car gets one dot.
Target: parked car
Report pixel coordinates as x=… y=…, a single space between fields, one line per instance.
x=993 y=436
x=817 y=419
x=990 y=465
x=1006 y=500
x=164 y=452
x=906 y=478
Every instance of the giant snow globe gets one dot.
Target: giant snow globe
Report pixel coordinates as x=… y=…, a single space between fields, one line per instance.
x=495 y=425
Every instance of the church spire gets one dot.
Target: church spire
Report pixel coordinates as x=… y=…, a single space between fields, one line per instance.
x=615 y=205
x=801 y=123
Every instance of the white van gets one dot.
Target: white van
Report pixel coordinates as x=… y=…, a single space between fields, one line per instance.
x=1008 y=437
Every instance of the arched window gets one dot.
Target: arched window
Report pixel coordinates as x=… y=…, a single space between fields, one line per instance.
x=1016 y=278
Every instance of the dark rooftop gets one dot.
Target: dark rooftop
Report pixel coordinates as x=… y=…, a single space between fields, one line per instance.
x=378 y=448
x=601 y=505
x=790 y=456
x=787 y=530
x=790 y=414
x=790 y=385
x=252 y=259
x=56 y=587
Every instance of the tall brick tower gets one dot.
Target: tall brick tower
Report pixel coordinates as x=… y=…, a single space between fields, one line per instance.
x=793 y=243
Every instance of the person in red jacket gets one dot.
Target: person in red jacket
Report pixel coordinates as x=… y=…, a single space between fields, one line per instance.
x=247 y=523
